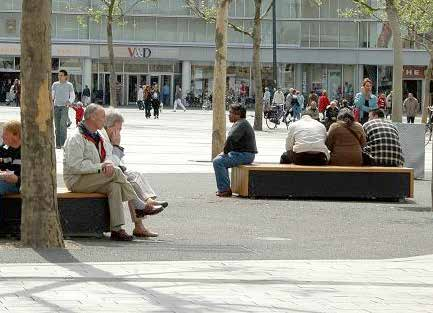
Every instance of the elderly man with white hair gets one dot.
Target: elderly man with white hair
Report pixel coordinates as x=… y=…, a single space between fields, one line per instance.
x=111 y=133
x=88 y=166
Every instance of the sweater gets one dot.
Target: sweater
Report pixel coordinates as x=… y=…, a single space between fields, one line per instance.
x=241 y=138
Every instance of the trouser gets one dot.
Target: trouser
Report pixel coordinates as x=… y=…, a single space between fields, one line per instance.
x=7 y=188
x=303 y=158
x=60 y=120
x=142 y=188
x=410 y=119
x=117 y=188
x=178 y=102
x=147 y=108
x=86 y=100
x=223 y=162
x=155 y=110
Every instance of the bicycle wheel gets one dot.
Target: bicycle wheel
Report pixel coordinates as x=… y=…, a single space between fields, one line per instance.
x=270 y=122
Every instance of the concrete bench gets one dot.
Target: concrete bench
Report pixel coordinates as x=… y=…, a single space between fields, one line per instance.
x=81 y=214
x=296 y=181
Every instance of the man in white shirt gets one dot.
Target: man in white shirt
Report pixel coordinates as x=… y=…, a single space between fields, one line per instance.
x=63 y=95
x=278 y=97
x=305 y=143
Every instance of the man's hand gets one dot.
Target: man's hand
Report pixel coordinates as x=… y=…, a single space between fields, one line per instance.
x=108 y=168
x=114 y=135
x=9 y=177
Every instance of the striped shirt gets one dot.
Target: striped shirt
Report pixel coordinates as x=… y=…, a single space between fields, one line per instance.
x=383 y=143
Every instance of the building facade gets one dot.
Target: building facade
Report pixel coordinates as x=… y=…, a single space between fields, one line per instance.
x=163 y=42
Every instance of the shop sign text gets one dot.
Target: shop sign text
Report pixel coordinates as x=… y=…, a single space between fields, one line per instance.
x=139 y=53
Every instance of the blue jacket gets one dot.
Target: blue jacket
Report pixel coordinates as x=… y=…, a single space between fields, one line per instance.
x=360 y=103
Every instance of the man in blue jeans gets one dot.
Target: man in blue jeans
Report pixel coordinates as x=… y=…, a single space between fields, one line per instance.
x=240 y=148
x=10 y=158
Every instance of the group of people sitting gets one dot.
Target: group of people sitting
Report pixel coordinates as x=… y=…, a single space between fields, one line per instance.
x=347 y=143
x=92 y=162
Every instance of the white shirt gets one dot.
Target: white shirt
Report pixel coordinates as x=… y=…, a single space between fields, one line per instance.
x=278 y=98
x=140 y=95
x=267 y=96
x=307 y=135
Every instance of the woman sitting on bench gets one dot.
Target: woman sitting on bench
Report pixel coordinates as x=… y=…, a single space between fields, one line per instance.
x=10 y=158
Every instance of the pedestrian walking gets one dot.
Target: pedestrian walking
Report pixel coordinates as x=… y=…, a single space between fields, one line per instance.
x=140 y=98
x=411 y=105
x=156 y=103
x=63 y=95
x=178 y=100
x=147 y=101
x=86 y=96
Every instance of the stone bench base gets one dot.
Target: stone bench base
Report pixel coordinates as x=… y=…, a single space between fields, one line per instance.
x=295 y=181
x=81 y=214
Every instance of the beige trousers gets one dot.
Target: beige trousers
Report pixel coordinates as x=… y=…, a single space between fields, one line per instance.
x=142 y=188
x=117 y=188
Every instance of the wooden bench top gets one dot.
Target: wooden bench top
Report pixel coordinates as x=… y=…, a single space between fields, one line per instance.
x=325 y=168
x=63 y=193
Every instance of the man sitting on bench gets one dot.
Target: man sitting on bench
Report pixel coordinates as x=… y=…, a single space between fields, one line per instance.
x=305 y=144
x=383 y=143
x=239 y=149
x=88 y=167
x=10 y=158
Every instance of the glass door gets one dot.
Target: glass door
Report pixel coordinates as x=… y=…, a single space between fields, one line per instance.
x=132 y=88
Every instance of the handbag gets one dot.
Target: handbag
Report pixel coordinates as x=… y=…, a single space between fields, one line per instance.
x=367 y=159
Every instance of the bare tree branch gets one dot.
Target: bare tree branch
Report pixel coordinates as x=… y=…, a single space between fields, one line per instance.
x=267 y=10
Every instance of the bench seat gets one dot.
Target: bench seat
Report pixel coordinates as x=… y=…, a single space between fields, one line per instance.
x=81 y=214
x=298 y=181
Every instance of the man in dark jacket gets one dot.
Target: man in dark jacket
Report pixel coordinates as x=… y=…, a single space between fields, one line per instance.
x=10 y=158
x=240 y=148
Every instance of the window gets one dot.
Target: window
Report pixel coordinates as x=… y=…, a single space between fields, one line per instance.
x=10 y=24
x=348 y=34
x=329 y=34
x=288 y=33
x=196 y=30
x=67 y=26
x=146 y=28
x=310 y=8
x=167 y=29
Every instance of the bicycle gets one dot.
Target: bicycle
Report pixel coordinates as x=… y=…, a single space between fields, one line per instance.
x=276 y=116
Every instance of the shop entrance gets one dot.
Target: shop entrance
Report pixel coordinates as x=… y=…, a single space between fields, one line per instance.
x=164 y=82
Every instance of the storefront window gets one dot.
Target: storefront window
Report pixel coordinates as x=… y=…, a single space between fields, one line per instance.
x=329 y=9
x=287 y=76
x=288 y=33
x=334 y=82
x=370 y=71
x=7 y=63
x=145 y=29
x=349 y=82
x=237 y=75
x=286 y=8
x=385 y=79
x=310 y=8
x=267 y=76
x=10 y=24
x=315 y=77
x=202 y=80
x=196 y=30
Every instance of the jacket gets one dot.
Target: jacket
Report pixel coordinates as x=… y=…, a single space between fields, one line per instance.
x=411 y=106
x=81 y=157
x=360 y=103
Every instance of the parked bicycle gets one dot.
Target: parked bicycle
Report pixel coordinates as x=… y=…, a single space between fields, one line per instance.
x=276 y=116
x=429 y=126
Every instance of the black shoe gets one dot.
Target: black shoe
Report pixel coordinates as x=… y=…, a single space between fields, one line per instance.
x=149 y=209
x=120 y=235
x=164 y=204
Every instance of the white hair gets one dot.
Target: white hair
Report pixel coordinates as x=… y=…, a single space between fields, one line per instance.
x=112 y=117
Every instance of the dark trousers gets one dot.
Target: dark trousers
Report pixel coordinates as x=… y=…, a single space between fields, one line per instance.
x=303 y=158
x=147 y=108
x=411 y=119
x=155 y=110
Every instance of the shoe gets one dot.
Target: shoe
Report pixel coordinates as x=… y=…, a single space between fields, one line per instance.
x=120 y=235
x=224 y=194
x=164 y=204
x=149 y=209
x=58 y=147
x=145 y=233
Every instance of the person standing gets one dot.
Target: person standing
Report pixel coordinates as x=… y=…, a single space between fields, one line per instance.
x=166 y=94
x=155 y=101
x=140 y=98
x=240 y=148
x=86 y=96
x=147 y=101
x=63 y=95
x=365 y=101
x=323 y=102
x=178 y=100
x=278 y=98
x=411 y=105
x=266 y=101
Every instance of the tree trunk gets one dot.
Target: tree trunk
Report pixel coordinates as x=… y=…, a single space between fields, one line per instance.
x=113 y=78
x=257 y=68
x=220 y=73
x=397 y=73
x=426 y=94
x=40 y=224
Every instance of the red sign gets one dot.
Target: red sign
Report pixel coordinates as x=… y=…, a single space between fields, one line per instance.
x=139 y=52
x=410 y=71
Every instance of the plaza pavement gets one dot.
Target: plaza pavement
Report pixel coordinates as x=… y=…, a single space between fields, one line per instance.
x=238 y=255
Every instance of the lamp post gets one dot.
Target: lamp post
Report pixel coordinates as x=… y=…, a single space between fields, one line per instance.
x=274 y=44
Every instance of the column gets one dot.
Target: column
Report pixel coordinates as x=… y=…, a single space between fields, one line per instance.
x=87 y=73
x=298 y=76
x=186 y=77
